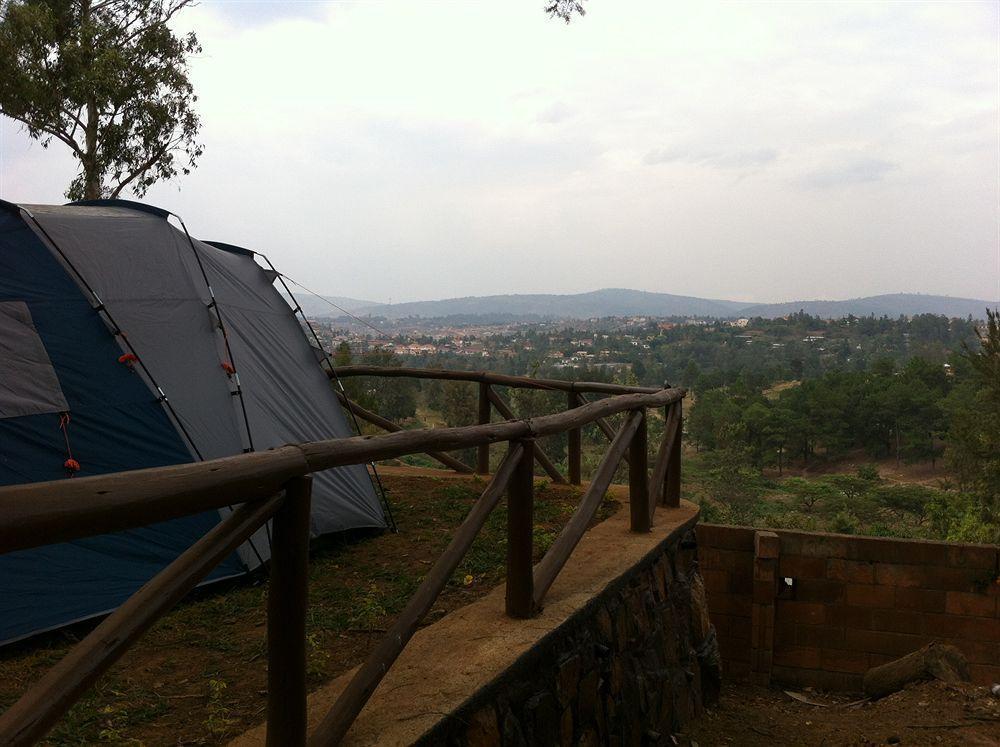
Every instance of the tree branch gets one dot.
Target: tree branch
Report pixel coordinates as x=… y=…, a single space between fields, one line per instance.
x=142 y=168
x=47 y=130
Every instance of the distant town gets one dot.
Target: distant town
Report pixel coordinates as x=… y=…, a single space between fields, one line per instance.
x=648 y=349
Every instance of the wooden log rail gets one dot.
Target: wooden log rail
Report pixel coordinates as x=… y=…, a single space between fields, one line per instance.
x=489 y=396
x=487 y=377
x=276 y=485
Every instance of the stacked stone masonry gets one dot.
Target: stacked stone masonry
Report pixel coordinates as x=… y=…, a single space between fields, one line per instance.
x=623 y=671
x=813 y=609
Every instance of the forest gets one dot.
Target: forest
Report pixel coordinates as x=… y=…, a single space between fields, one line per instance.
x=872 y=426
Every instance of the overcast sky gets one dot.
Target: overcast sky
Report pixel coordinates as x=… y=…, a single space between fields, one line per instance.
x=418 y=150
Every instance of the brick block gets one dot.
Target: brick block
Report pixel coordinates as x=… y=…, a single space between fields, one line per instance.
x=890 y=644
x=819 y=636
x=732 y=651
x=764 y=592
x=849 y=617
x=765 y=569
x=725 y=537
x=838 y=660
x=809 y=613
x=819 y=590
x=801 y=566
x=797 y=656
x=728 y=604
x=928 y=577
x=741 y=578
x=977 y=605
x=924 y=600
x=973 y=556
x=784 y=633
x=716 y=580
x=767 y=545
x=978 y=652
x=898 y=621
x=764 y=660
x=970 y=628
x=984 y=674
x=815 y=544
x=852 y=571
x=858 y=595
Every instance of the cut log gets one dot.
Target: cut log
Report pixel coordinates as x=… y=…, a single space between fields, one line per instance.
x=933 y=661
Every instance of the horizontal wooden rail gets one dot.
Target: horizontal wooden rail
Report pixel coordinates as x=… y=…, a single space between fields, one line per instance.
x=43 y=513
x=486 y=377
x=375 y=419
x=340 y=717
x=550 y=565
x=540 y=456
x=28 y=720
x=338 y=452
x=601 y=423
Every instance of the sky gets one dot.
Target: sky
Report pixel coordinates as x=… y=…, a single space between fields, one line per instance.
x=401 y=151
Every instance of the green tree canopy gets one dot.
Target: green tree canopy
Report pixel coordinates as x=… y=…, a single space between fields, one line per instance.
x=108 y=79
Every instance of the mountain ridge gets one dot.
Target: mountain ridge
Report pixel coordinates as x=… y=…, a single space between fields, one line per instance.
x=628 y=302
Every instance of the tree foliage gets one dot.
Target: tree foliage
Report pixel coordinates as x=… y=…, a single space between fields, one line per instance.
x=974 y=435
x=109 y=80
x=565 y=9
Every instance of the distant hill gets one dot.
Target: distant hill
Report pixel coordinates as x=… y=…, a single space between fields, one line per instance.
x=606 y=302
x=624 y=302
x=320 y=306
x=891 y=305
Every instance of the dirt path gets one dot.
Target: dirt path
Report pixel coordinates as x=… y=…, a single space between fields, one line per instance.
x=930 y=713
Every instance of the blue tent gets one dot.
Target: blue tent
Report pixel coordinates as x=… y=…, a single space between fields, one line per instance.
x=126 y=344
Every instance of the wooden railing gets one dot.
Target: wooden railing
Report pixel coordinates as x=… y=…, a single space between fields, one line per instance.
x=276 y=485
x=575 y=395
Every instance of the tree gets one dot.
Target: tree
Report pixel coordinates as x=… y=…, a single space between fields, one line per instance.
x=974 y=436
x=565 y=9
x=108 y=79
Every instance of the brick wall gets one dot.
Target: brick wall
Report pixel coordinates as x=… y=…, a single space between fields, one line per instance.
x=854 y=603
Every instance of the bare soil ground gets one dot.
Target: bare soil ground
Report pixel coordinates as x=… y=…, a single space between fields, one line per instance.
x=928 y=713
x=922 y=473
x=199 y=676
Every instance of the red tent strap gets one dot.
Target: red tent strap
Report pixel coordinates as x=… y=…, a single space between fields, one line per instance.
x=71 y=465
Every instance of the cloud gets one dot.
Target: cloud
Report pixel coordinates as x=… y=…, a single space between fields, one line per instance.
x=848 y=173
x=253 y=13
x=422 y=150
x=737 y=159
x=557 y=112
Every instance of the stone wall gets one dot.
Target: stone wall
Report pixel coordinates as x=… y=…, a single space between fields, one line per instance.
x=807 y=608
x=631 y=667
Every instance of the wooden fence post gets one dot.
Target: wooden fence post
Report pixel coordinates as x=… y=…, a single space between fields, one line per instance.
x=520 y=525
x=638 y=479
x=483 y=453
x=574 y=457
x=672 y=486
x=287 y=599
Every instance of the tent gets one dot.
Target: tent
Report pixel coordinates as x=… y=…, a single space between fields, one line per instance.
x=126 y=344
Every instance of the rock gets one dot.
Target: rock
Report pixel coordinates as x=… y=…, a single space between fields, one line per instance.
x=569 y=679
x=483 y=731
